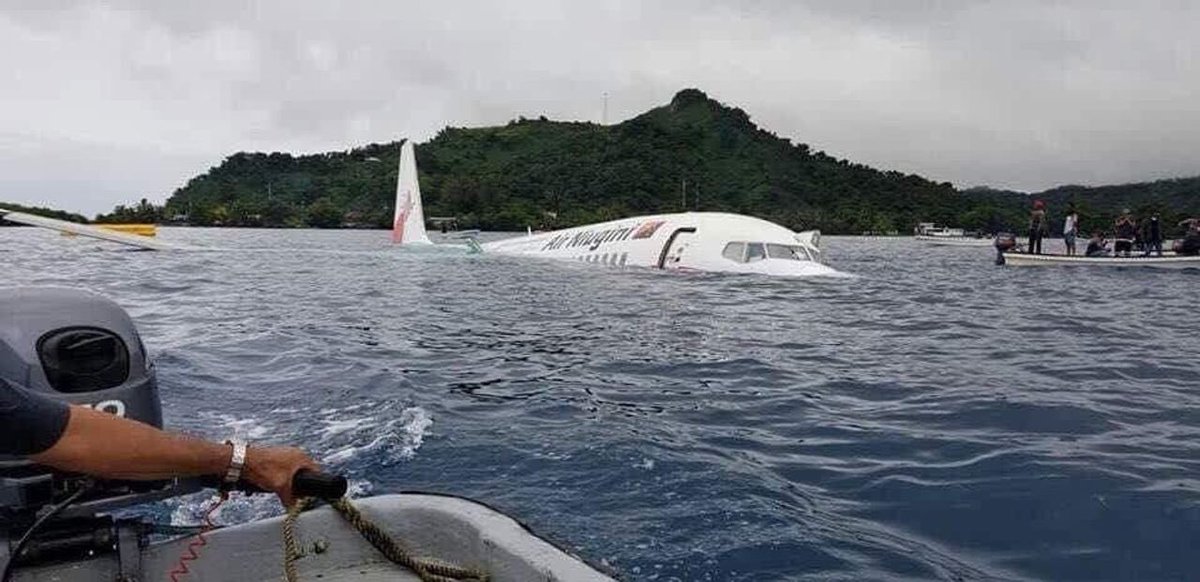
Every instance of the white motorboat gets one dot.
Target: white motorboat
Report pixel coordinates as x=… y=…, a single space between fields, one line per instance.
x=941 y=235
x=1167 y=261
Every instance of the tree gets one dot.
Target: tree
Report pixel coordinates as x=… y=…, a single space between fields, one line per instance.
x=323 y=213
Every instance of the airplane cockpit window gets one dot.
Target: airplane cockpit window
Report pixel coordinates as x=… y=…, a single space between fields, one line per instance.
x=734 y=251
x=790 y=252
x=776 y=251
x=748 y=252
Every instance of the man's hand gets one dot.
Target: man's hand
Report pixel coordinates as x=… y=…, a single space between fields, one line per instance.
x=272 y=469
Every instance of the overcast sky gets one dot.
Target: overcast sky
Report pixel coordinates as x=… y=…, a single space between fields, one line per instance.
x=110 y=102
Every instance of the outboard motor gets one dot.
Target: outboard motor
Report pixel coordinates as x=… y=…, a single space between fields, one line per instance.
x=84 y=349
x=1005 y=241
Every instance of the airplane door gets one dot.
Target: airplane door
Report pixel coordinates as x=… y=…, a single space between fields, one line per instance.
x=675 y=247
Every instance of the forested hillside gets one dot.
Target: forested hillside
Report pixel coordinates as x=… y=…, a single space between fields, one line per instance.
x=693 y=152
x=548 y=174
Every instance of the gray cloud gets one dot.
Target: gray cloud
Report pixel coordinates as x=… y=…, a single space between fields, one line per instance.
x=113 y=101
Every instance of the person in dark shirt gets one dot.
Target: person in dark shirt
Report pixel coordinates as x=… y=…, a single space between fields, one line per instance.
x=1097 y=246
x=1126 y=230
x=1038 y=227
x=81 y=440
x=1190 y=245
x=1152 y=238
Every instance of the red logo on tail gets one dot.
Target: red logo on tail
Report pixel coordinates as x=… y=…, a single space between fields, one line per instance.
x=401 y=218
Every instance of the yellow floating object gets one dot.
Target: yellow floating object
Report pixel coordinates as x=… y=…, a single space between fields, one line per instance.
x=139 y=229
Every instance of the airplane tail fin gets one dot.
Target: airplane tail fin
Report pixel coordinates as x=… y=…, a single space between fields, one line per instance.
x=408 y=223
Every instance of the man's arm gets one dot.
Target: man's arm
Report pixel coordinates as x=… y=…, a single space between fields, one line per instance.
x=103 y=445
x=82 y=440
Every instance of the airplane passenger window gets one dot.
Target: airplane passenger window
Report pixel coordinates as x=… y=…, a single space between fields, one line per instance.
x=755 y=252
x=734 y=251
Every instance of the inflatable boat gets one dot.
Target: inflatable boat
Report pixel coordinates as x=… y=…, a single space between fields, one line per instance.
x=479 y=541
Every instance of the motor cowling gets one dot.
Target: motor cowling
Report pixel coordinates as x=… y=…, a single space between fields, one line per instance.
x=75 y=346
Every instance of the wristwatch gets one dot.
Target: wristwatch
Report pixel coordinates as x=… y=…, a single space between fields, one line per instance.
x=236 y=463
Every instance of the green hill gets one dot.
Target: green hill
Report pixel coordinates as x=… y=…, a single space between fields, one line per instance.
x=546 y=174
x=552 y=174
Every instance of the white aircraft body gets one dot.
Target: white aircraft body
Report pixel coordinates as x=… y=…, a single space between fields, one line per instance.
x=688 y=241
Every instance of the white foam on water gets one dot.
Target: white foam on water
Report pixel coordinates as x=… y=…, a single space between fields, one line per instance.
x=189 y=510
x=399 y=437
x=346 y=435
x=336 y=427
x=250 y=429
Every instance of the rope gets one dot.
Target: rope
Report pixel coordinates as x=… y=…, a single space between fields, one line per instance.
x=427 y=570
x=291 y=549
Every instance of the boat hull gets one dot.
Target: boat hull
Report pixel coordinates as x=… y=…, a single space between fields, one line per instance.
x=452 y=529
x=1165 y=262
x=951 y=241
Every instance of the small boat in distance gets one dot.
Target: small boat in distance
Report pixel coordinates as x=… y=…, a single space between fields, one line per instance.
x=942 y=235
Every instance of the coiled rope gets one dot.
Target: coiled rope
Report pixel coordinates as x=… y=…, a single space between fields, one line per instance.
x=428 y=570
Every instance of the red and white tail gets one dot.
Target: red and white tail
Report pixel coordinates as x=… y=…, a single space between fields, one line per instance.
x=408 y=224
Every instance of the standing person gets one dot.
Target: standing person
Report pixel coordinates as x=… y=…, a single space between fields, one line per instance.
x=1070 y=229
x=1153 y=238
x=1037 y=227
x=1126 y=230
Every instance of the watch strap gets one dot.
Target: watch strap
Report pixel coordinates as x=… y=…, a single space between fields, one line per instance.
x=237 y=462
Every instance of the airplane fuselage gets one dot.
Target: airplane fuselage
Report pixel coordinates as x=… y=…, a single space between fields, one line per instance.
x=697 y=241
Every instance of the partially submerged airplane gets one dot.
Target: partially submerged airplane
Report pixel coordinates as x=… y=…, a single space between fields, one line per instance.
x=133 y=240
x=686 y=241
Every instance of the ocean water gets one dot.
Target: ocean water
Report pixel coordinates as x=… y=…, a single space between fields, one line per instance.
x=934 y=417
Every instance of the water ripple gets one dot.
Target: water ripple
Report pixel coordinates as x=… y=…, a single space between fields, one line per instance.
x=936 y=417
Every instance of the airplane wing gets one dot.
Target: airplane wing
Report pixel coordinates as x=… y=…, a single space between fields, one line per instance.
x=132 y=240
